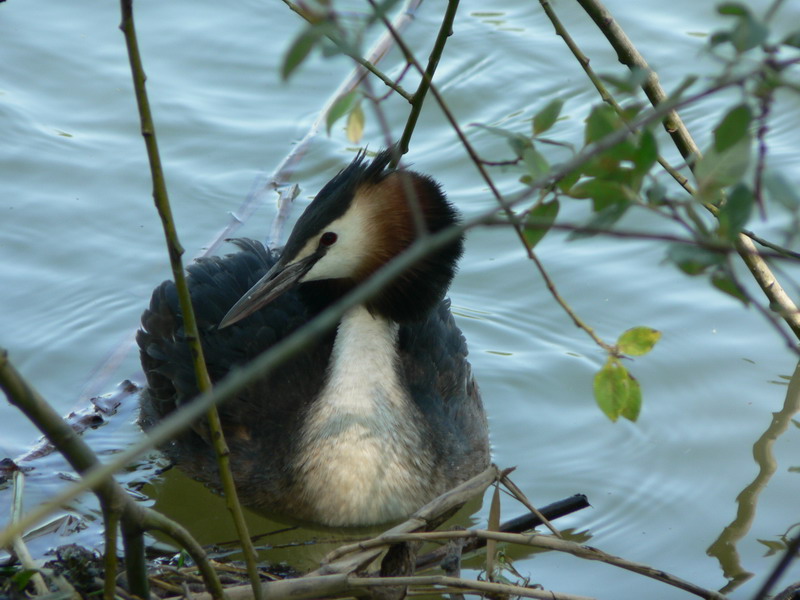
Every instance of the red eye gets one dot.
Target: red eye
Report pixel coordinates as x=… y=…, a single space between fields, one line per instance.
x=328 y=239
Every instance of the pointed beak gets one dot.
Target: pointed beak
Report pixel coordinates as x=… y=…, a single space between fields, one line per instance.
x=278 y=280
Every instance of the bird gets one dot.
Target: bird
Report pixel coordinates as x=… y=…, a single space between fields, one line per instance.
x=371 y=421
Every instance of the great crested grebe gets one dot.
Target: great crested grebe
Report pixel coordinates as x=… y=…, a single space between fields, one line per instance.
x=373 y=420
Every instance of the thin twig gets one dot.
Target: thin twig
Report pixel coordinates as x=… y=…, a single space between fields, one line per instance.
x=523 y=499
x=501 y=200
x=192 y=333
x=492 y=589
x=344 y=48
x=135 y=518
x=110 y=561
x=552 y=543
x=348 y=558
x=18 y=545
x=445 y=29
x=782 y=252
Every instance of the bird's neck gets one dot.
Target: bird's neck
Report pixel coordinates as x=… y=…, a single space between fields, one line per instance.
x=360 y=457
x=363 y=375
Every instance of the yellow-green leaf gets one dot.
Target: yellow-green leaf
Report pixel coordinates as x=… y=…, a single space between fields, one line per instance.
x=355 y=124
x=633 y=404
x=638 y=341
x=612 y=388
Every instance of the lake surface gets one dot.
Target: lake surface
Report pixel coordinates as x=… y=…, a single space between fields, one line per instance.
x=81 y=248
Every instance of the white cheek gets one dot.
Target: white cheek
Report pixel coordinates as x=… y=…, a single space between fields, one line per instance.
x=343 y=259
x=338 y=263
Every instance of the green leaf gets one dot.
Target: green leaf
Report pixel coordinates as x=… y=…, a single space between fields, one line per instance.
x=565 y=183
x=719 y=37
x=545 y=118
x=603 y=193
x=624 y=150
x=748 y=34
x=602 y=121
x=300 y=49
x=646 y=154
x=340 y=108
x=612 y=388
x=539 y=221
x=734 y=214
x=717 y=170
x=536 y=163
x=733 y=9
x=638 y=341
x=723 y=281
x=518 y=142
x=693 y=260
x=733 y=127
x=633 y=404
x=600 y=166
x=602 y=221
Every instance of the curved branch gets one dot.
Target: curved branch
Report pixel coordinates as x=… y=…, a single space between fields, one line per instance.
x=135 y=519
x=630 y=56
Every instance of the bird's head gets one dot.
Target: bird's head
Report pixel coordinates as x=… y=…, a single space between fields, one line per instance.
x=360 y=220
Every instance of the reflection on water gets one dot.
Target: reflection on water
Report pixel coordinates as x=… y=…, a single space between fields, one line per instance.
x=277 y=540
x=724 y=548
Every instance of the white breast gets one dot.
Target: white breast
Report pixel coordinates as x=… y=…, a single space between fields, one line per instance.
x=360 y=461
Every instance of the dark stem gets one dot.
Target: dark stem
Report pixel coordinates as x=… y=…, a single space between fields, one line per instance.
x=418 y=100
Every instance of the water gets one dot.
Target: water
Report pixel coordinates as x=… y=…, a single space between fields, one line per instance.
x=81 y=249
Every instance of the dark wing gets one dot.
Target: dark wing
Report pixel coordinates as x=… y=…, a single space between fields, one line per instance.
x=257 y=422
x=216 y=283
x=439 y=378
